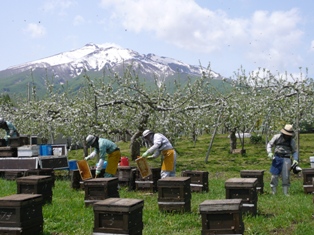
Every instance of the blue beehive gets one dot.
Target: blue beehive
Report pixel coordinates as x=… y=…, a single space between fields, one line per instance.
x=45 y=150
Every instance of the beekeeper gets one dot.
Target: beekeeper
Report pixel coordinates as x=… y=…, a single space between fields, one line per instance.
x=160 y=145
x=102 y=147
x=10 y=129
x=284 y=148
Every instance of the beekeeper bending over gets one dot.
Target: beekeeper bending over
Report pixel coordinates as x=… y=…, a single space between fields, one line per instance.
x=9 y=128
x=161 y=145
x=102 y=147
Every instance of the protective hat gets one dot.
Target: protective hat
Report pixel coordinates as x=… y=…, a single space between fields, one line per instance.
x=147 y=132
x=295 y=168
x=287 y=130
x=90 y=140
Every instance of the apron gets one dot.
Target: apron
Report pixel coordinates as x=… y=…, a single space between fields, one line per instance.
x=168 y=161
x=113 y=161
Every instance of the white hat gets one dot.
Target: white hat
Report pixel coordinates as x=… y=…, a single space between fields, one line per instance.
x=90 y=139
x=287 y=130
x=146 y=133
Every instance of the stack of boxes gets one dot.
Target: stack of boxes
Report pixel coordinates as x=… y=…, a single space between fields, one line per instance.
x=199 y=180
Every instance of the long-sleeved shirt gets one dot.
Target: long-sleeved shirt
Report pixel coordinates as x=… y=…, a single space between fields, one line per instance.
x=160 y=143
x=282 y=146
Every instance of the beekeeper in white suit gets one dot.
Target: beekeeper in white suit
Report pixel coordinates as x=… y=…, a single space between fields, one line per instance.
x=160 y=145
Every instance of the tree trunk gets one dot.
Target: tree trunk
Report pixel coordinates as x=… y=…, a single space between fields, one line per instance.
x=233 y=140
x=135 y=145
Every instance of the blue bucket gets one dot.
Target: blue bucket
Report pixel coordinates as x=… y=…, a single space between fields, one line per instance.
x=72 y=165
x=45 y=150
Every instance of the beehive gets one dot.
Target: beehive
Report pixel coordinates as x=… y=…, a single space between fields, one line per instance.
x=259 y=174
x=124 y=175
x=199 y=180
x=148 y=183
x=36 y=184
x=118 y=216
x=21 y=214
x=42 y=171
x=8 y=151
x=174 y=194
x=308 y=174
x=245 y=189
x=99 y=189
x=221 y=217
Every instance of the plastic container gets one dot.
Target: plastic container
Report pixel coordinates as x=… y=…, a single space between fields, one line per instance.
x=103 y=166
x=124 y=161
x=312 y=161
x=45 y=150
x=73 y=165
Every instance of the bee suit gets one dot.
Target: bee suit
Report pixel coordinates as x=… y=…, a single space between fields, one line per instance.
x=160 y=145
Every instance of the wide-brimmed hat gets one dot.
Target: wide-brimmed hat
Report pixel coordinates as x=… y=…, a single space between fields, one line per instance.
x=287 y=130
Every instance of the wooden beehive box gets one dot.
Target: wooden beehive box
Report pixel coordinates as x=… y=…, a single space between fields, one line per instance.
x=15 y=142
x=99 y=189
x=174 y=194
x=21 y=214
x=245 y=189
x=13 y=175
x=8 y=151
x=124 y=175
x=84 y=170
x=148 y=183
x=75 y=179
x=259 y=174
x=118 y=216
x=55 y=162
x=3 y=143
x=199 y=180
x=36 y=184
x=308 y=174
x=221 y=217
x=42 y=171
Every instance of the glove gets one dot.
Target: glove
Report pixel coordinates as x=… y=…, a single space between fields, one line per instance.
x=295 y=162
x=150 y=157
x=145 y=154
x=97 y=172
x=86 y=158
x=271 y=156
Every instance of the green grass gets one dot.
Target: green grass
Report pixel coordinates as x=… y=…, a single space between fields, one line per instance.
x=278 y=214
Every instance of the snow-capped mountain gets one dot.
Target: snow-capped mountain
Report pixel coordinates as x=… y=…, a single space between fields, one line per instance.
x=92 y=57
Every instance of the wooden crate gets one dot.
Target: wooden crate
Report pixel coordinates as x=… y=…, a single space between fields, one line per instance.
x=148 y=183
x=174 y=194
x=20 y=211
x=245 y=189
x=118 y=216
x=3 y=143
x=8 y=151
x=259 y=174
x=100 y=189
x=308 y=174
x=221 y=217
x=18 y=164
x=75 y=179
x=36 y=184
x=42 y=171
x=18 y=141
x=55 y=162
x=124 y=175
x=199 y=180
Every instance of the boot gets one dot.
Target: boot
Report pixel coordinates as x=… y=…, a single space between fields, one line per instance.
x=273 y=190
x=285 y=190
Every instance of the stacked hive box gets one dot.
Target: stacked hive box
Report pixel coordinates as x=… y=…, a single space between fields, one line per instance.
x=221 y=217
x=150 y=182
x=43 y=171
x=21 y=214
x=174 y=194
x=124 y=175
x=259 y=174
x=308 y=175
x=100 y=189
x=199 y=180
x=245 y=189
x=118 y=216
x=36 y=184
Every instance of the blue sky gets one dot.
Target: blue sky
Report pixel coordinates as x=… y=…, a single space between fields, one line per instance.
x=227 y=34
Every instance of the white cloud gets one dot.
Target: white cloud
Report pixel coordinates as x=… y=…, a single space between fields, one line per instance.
x=78 y=20
x=35 y=30
x=58 y=5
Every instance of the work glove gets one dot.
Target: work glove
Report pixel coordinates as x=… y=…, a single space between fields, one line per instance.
x=86 y=158
x=271 y=156
x=145 y=154
x=295 y=162
x=97 y=173
x=150 y=157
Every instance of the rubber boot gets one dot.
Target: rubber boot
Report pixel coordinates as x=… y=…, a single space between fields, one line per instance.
x=273 y=190
x=285 y=190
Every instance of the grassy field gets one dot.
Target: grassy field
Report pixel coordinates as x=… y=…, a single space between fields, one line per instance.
x=279 y=214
